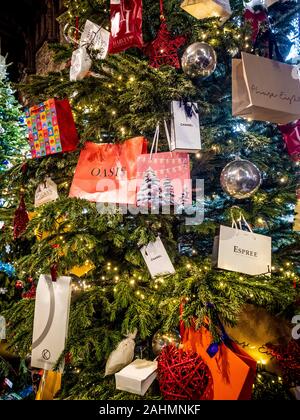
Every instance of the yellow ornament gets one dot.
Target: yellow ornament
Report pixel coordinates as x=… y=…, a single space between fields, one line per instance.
x=80 y=271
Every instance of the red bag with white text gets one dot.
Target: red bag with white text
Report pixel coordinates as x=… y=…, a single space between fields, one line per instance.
x=126 y=25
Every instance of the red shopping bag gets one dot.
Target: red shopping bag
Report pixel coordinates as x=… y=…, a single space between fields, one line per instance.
x=51 y=128
x=291 y=137
x=233 y=371
x=126 y=25
x=106 y=173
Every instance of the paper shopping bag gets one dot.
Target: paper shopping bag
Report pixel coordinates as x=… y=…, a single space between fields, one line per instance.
x=126 y=25
x=203 y=9
x=242 y=251
x=95 y=38
x=233 y=371
x=45 y=192
x=163 y=179
x=185 y=127
x=157 y=259
x=80 y=64
x=51 y=128
x=264 y=90
x=51 y=319
x=106 y=173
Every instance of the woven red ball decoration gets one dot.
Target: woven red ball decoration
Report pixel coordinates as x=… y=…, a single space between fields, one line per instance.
x=183 y=375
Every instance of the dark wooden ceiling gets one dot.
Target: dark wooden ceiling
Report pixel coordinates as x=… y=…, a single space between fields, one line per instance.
x=17 y=25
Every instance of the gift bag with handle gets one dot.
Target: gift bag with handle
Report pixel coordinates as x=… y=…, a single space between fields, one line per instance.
x=163 y=179
x=106 y=173
x=45 y=192
x=185 y=127
x=80 y=64
x=241 y=250
x=157 y=258
x=51 y=128
x=232 y=369
x=264 y=90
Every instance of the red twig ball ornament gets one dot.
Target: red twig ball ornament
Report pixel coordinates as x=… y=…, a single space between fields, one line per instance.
x=183 y=375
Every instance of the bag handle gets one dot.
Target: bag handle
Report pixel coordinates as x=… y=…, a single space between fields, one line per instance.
x=237 y=223
x=155 y=141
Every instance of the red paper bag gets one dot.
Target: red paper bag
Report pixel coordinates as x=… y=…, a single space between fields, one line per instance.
x=106 y=173
x=51 y=128
x=233 y=371
x=126 y=25
x=164 y=179
x=291 y=136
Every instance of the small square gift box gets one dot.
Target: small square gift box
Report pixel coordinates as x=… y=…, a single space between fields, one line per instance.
x=136 y=377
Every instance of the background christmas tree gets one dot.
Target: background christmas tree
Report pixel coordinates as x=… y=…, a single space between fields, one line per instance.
x=118 y=295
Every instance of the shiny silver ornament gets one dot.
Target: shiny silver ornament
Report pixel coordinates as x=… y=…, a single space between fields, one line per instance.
x=163 y=339
x=240 y=178
x=199 y=60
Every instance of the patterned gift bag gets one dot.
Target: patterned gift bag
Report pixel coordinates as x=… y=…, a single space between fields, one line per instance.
x=51 y=128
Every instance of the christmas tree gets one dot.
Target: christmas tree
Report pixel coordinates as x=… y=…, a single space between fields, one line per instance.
x=148 y=194
x=12 y=130
x=117 y=296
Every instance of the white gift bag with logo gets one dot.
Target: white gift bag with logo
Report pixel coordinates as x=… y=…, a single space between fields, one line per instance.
x=185 y=127
x=136 y=377
x=2 y=328
x=157 y=259
x=242 y=251
x=45 y=192
x=51 y=320
x=95 y=38
x=80 y=64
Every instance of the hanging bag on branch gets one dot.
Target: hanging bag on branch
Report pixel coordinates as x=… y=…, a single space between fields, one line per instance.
x=126 y=25
x=51 y=128
x=45 y=192
x=163 y=179
x=185 y=127
x=264 y=90
x=51 y=320
x=157 y=259
x=106 y=173
x=203 y=9
x=241 y=250
x=81 y=64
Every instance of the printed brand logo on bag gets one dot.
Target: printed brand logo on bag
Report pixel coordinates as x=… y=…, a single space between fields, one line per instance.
x=126 y=25
x=271 y=94
x=185 y=127
x=246 y=252
x=153 y=252
x=51 y=319
x=96 y=38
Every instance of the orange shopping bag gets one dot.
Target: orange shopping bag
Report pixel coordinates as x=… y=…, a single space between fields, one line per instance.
x=232 y=369
x=106 y=173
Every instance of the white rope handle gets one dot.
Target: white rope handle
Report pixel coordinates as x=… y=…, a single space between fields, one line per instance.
x=237 y=224
x=167 y=134
x=155 y=141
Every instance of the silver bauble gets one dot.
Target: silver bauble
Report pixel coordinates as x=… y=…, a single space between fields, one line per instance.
x=240 y=178
x=164 y=339
x=199 y=60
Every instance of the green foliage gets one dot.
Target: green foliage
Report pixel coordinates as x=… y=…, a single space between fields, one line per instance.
x=118 y=295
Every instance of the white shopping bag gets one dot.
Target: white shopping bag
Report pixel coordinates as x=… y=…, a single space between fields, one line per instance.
x=45 y=192
x=136 y=377
x=95 y=38
x=157 y=259
x=80 y=64
x=51 y=319
x=185 y=127
x=2 y=328
x=242 y=251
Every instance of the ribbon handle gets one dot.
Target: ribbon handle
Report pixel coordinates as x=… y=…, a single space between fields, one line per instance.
x=155 y=141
